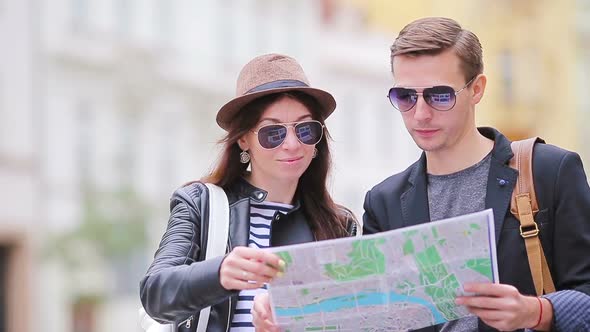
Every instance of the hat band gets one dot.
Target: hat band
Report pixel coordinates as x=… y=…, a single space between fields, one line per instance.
x=277 y=84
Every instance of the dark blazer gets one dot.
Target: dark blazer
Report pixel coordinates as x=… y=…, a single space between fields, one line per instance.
x=563 y=218
x=180 y=283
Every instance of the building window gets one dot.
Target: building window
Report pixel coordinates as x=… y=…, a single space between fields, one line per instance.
x=79 y=19
x=583 y=103
x=263 y=10
x=352 y=124
x=3 y=116
x=123 y=16
x=385 y=133
x=126 y=159
x=167 y=144
x=506 y=60
x=225 y=29
x=164 y=20
x=84 y=142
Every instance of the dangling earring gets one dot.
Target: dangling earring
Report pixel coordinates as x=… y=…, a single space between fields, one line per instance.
x=244 y=157
x=315 y=153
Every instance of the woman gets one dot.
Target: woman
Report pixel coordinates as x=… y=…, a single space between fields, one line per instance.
x=275 y=125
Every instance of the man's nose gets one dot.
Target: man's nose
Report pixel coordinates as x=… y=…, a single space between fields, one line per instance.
x=422 y=111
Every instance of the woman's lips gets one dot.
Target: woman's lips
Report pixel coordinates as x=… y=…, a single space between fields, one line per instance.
x=290 y=160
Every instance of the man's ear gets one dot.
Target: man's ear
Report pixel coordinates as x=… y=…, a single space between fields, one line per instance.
x=479 y=87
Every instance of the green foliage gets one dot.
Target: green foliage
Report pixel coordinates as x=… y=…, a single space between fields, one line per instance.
x=113 y=226
x=88 y=299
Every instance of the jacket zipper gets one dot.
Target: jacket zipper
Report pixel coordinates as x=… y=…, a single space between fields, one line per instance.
x=228 y=316
x=190 y=319
x=187 y=322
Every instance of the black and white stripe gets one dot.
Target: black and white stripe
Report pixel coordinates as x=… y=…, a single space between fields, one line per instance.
x=261 y=216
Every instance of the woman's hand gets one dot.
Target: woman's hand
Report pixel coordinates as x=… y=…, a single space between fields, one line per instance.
x=261 y=314
x=504 y=308
x=249 y=268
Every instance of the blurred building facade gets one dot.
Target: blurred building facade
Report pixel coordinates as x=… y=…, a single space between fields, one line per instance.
x=114 y=108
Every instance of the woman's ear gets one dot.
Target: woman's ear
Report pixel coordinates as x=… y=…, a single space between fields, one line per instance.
x=243 y=143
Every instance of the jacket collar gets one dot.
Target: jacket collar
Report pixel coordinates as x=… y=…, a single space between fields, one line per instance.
x=501 y=151
x=240 y=195
x=242 y=189
x=501 y=179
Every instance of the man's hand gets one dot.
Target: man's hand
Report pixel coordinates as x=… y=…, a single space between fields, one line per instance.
x=504 y=308
x=261 y=314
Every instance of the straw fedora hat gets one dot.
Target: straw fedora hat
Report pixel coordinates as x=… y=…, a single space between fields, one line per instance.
x=268 y=74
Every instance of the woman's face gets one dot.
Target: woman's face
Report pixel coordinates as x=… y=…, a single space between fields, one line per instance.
x=286 y=163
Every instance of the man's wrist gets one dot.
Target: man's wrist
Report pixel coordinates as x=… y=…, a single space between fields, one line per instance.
x=543 y=315
x=534 y=306
x=537 y=315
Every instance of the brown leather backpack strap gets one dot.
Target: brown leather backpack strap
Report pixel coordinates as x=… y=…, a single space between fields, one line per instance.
x=525 y=186
x=523 y=206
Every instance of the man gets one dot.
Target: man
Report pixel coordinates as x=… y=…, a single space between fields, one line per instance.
x=438 y=72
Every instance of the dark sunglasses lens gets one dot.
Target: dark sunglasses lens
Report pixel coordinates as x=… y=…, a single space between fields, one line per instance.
x=441 y=98
x=309 y=132
x=272 y=136
x=403 y=99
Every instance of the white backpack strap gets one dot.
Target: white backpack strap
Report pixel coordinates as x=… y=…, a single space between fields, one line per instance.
x=218 y=222
x=217 y=236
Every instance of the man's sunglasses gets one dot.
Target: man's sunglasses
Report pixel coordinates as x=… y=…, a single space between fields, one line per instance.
x=440 y=97
x=308 y=132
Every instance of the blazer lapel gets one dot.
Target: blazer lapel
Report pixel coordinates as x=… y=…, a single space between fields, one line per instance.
x=414 y=201
x=501 y=179
x=501 y=182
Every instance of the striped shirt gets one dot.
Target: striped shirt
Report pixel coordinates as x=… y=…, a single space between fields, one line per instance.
x=261 y=216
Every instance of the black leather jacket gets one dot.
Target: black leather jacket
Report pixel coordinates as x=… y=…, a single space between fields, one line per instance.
x=179 y=283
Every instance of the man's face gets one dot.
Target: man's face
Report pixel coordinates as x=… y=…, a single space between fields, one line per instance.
x=432 y=130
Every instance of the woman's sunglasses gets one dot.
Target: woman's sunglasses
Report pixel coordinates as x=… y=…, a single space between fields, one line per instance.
x=308 y=132
x=440 y=97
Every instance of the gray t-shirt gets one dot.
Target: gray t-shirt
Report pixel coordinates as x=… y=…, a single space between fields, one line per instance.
x=456 y=194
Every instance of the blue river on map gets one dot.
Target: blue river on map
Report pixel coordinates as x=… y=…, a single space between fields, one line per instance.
x=360 y=299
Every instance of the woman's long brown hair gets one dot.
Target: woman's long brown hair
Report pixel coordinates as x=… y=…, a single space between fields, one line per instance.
x=326 y=219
